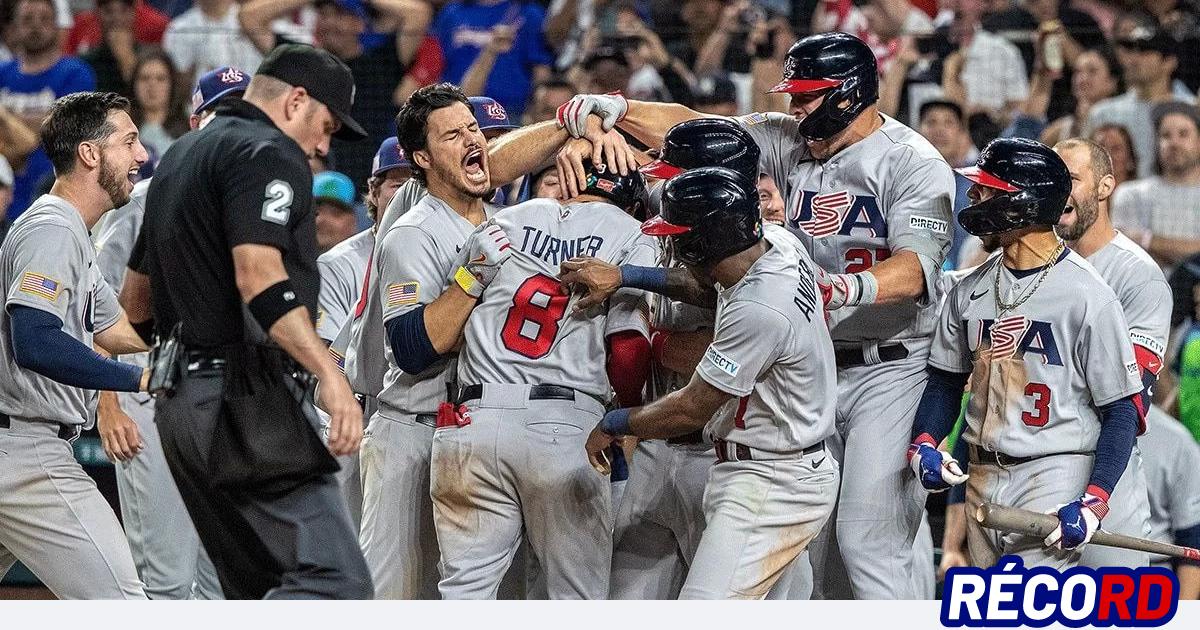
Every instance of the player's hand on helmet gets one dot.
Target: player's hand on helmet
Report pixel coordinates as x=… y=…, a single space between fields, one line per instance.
x=119 y=434
x=597 y=279
x=937 y=470
x=344 y=432
x=597 y=450
x=1077 y=522
x=573 y=115
x=487 y=249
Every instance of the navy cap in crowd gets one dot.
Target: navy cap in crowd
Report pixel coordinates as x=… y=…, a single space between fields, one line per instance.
x=215 y=84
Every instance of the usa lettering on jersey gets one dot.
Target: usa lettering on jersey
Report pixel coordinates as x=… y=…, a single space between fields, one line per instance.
x=1014 y=336
x=1009 y=595
x=825 y=214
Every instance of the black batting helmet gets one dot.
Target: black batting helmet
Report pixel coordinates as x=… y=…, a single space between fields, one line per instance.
x=1034 y=183
x=709 y=213
x=843 y=67
x=627 y=192
x=705 y=142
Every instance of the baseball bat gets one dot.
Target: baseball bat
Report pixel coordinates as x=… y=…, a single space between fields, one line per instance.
x=1037 y=524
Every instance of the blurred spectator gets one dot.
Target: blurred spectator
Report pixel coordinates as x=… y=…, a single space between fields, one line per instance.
x=605 y=70
x=1180 y=20
x=464 y=29
x=208 y=36
x=717 y=35
x=770 y=202
x=1148 y=60
x=715 y=95
x=30 y=84
x=1095 y=76
x=943 y=124
x=1162 y=212
x=113 y=57
x=547 y=96
x=157 y=101
x=378 y=72
x=1115 y=139
x=333 y=198
x=148 y=27
x=6 y=30
x=16 y=139
x=986 y=73
x=6 y=194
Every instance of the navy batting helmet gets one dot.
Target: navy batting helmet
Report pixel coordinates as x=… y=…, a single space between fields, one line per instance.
x=1033 y=181
x=705 y=142
x=627 y=192
x=709 y=213
x=838 y=64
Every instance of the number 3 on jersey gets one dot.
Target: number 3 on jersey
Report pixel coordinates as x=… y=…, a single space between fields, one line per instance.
x=1041 y=405
x=533 y=321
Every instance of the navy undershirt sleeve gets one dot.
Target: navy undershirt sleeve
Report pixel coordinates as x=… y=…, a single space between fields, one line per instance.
x=410 y=342
x=1118 y=430
x=940 y=404
x=40 y=345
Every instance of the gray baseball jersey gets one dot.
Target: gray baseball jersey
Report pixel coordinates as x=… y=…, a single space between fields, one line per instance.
x=522 y=330
x=48 y=262
x=888 y=193
x=1171 y=459
x=365 y=364
x=342 y=271
x=414 y=264
x=772 y=350
x=1040 y=371
x=1142 y=289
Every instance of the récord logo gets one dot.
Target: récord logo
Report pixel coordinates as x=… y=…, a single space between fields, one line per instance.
x=1009 y=595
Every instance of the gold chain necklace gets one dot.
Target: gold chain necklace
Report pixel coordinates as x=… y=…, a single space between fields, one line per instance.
x=1004 y=307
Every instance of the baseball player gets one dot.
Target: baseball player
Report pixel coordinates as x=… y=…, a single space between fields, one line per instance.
x=506 y=463
x=1145 y=299
x=165 y=546
x=422 y=320
x=343 y=269
x=57 y=305
x=1172 y=458
x=764 y=391
x=870 y=200
x=1052 y=417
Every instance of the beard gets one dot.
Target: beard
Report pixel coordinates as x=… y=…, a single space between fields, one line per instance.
x=113 y=183
x=1085 y=217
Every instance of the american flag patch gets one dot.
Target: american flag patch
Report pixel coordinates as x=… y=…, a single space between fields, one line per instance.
x=402 y=293
x=39 y=285
x=338 y=359
x=756 y=118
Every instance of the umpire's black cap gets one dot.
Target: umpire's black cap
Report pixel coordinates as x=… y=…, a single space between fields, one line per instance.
x=325 y=77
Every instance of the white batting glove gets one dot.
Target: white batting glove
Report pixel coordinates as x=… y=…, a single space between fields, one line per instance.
x=486 y=249
x=572 y=115
x=937 y=470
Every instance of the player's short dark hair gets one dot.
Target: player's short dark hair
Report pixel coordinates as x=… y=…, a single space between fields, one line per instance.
x=412 y=121
x=75 y=119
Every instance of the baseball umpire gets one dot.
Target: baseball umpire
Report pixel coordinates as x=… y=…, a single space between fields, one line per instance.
x=1052 y=420
x=229 y=247
x=56 y=306
x=870 y=200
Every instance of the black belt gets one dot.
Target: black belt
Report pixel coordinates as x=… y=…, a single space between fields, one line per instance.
x=741 y=452
x=695 y=437
x=980 y=455
x=853 y=356
x=65 y=431
x=203 y=361
x=427 y=419
x=536 y=392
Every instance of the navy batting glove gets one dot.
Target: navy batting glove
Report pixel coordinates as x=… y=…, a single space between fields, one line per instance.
x=936 y=470
x=1078 y=520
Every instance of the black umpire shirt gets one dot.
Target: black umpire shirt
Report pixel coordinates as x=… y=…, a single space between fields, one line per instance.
x=238 y=181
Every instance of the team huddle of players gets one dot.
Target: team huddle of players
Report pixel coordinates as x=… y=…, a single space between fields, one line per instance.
x=777 y=396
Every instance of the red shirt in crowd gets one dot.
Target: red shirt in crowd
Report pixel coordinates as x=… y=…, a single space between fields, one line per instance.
x=148 y=28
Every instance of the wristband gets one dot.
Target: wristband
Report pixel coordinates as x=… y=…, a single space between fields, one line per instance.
x=468 y=282
x=616 y=422
x=273 y=303
x=652 y=279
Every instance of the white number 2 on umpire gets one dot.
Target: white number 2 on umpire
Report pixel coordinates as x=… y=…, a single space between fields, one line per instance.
x=278 y=206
